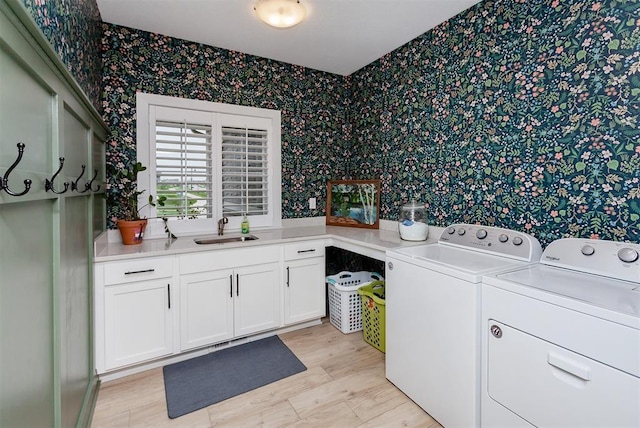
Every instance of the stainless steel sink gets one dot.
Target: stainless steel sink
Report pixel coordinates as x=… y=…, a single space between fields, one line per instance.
x=225 y=240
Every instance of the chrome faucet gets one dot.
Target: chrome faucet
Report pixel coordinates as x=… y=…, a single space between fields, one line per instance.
x=221 y=224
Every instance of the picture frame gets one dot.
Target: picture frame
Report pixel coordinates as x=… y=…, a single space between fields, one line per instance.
x=353 y=203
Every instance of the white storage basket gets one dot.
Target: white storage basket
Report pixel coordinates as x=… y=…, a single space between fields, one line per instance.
x=345 y=310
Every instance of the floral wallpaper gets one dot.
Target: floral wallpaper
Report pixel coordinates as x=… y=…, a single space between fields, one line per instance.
x=516 y=113
x=74 y=29
x=316 y=133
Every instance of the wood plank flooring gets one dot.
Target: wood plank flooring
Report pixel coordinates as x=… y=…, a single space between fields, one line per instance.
x=343 y=386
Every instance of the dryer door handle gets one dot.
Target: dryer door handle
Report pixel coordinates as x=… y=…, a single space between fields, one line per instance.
x=565 y=364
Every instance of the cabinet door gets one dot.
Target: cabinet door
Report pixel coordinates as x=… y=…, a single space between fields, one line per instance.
x=257 y=298
x=206 y=308
x=138 y=323
x=304 y=296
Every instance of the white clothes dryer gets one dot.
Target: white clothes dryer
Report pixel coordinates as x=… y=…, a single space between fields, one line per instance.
x=433 y=315
x=561 y=339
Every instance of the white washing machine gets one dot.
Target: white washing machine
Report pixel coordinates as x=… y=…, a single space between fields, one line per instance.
x=561 y=339
x=433 y=315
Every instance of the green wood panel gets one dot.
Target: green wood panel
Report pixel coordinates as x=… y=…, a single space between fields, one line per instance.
x=74 y=307
x=99 y=211
x=21 y=93
x=75 y=138
x=26 y=314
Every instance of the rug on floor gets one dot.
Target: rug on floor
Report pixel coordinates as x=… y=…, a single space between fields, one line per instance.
x=202 y=381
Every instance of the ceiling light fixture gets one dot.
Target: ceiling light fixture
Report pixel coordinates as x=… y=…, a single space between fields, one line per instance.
x=280 y=13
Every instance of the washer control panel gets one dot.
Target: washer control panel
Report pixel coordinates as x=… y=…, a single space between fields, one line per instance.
x=494 y=240
x=620 y=260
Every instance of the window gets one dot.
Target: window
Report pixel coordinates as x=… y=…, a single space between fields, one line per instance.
x=209 y=160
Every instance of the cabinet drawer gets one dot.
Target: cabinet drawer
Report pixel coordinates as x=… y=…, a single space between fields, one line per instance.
x=304 y=250
x=228 y=259
x=138 y=270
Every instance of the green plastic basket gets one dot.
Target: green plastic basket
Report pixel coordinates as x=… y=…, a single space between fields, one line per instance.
x=373 y=314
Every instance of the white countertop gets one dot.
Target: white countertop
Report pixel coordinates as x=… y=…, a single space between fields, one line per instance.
x=368 y=242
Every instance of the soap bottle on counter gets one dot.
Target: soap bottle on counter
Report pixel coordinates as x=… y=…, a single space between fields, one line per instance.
x=244 y=226
x=412 y=223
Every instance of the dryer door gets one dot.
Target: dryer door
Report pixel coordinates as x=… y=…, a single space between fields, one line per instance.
x=551 y=386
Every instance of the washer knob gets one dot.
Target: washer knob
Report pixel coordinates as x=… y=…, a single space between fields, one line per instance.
x=517 y=240
x=481 y=234
x=461 y=232
x=628 y=255
x=451 y=230
x=587 y=250
x=503 y=238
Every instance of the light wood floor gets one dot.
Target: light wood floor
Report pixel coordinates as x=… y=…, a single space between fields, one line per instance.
x=343 y=386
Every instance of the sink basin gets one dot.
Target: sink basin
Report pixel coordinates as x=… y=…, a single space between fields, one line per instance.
x=224 y=240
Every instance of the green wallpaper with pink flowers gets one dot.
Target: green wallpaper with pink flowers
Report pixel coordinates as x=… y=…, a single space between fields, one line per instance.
x=515 y=113
x=518 y=114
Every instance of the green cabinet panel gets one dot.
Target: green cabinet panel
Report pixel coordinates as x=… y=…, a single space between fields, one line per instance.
x=47 y=375
x=22 y=92
x=26 y=314
x=74 y=308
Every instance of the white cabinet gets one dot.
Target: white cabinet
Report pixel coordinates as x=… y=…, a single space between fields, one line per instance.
x=206 y=308
x=134 y=313
x=228 y=294
x=304 y=291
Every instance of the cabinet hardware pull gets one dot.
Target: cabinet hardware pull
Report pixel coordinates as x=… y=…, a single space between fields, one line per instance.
x=48 y=184
x=231 y=286
x=169 y=294
x=237 y=284
x=74 y=184
x=287 y=276
x=307 y=251
x=4 y=184
x=133 y=272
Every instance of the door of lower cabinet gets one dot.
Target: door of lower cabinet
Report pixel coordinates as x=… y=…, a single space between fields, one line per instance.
x=257 y=298
x=206 y=308
x=138 y=322
x=304 y=296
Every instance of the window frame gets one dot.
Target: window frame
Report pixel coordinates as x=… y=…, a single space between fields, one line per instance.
x=145 y=135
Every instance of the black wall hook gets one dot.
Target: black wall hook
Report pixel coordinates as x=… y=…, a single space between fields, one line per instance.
x=90 y=183
x=4 y=184
x=74 y=184
x=48 y=184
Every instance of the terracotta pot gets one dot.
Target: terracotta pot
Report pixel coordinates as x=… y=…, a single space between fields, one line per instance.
x=132 y=231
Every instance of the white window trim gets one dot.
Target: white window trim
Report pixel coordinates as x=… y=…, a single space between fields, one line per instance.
x=144 y=101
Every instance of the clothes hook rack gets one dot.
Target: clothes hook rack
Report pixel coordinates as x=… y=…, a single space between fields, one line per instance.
x=74 y=184
x=89 y=185
x=48 y=184
x=4 y=184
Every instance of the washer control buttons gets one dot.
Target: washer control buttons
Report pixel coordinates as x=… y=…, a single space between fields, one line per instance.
x=517 y=240
x=461 y=232
x=503 y=238
x=481 y=234
x=588 y=250
x=628 y=255
x=451 y=230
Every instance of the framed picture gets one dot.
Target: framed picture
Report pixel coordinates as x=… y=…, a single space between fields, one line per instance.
x=353 y=203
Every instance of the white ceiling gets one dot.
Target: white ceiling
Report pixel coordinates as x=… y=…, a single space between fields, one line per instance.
x=338 y=36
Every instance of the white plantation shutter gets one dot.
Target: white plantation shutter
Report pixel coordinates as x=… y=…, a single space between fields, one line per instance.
x=245 y=171
x=209 y=160
x=184 y=168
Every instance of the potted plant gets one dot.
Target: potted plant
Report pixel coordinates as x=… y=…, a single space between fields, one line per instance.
x=130 y=225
